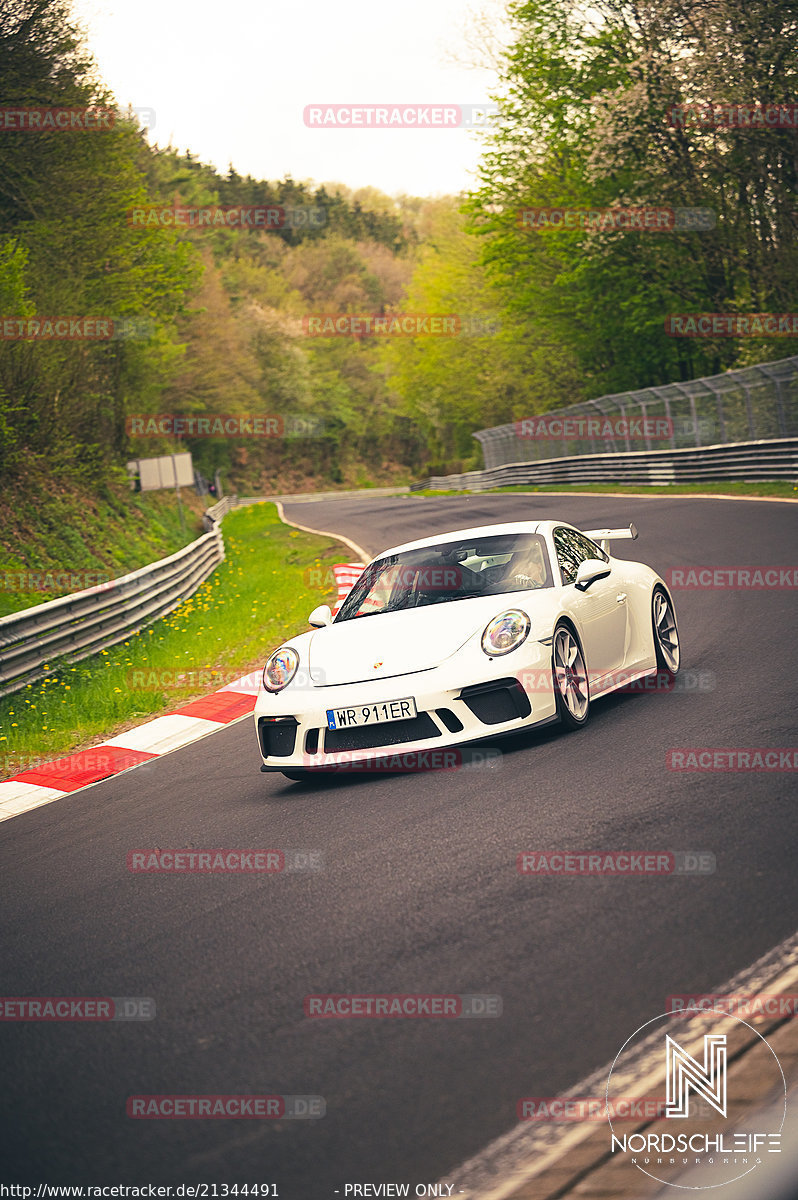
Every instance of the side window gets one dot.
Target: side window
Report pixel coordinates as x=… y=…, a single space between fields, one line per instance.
x=589 y=549
x=566 y=555
x=572 y=549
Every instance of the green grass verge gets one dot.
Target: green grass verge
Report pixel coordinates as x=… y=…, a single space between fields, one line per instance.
x=779 y=489
x=260 y=595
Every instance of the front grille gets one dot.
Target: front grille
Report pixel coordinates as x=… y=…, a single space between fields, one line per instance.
x=391 y=734
x=497 y=702
x=277 y=736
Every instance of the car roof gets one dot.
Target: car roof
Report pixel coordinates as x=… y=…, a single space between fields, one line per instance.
x=455 y=535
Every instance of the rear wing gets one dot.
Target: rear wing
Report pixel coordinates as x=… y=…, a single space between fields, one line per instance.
x=605 y=536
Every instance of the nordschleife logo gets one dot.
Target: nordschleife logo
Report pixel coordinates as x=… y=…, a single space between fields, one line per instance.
x=705 y=1137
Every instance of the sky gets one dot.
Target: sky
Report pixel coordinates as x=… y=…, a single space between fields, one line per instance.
x=230 y=80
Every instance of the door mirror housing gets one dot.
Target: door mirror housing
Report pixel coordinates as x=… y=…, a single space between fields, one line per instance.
x=589 y=571
x=321 y=616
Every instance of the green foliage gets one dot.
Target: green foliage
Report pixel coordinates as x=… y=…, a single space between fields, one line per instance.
x=586 y=126
x=488 y=373
x=217 y=312
x=548 y=316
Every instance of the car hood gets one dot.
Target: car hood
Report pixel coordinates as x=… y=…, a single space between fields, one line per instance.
x=400 y=643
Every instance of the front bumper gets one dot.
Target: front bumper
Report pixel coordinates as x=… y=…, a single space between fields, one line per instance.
x=455 y=705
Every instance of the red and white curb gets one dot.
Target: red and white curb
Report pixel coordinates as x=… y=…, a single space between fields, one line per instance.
x=50 y=781
x=346 y=576
x=196 y=719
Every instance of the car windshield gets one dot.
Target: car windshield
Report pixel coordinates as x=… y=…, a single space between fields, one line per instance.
x=463 y=570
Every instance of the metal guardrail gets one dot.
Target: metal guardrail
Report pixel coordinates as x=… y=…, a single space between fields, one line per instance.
x=776 y=459
x=750 y=404
x=217 y=512
x=76 y=626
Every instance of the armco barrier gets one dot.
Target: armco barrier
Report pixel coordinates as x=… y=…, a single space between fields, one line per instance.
x=217 y=512
x=73 y=627
x=776 y=459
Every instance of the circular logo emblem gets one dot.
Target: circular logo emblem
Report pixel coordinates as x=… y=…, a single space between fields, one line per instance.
x=672 y=1111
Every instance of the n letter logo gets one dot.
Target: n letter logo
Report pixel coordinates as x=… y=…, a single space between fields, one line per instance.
x=683 y=1073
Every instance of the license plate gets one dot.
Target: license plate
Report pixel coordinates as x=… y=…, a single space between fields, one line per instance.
x=371 y=714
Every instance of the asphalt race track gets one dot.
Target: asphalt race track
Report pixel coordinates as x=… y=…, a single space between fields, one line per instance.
x=420 y=893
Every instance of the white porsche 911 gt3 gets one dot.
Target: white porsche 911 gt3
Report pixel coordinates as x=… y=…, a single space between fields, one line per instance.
x=461 y=637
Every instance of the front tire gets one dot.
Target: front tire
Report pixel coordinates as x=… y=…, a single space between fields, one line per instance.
x=666 y=632
x=571 y=685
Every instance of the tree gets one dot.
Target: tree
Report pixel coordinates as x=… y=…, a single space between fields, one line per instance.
x=586 y=125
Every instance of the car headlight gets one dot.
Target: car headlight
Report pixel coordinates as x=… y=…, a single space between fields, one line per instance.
x=505 y=632
x=280 y=669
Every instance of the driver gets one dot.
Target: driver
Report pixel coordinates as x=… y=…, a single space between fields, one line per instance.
x=527 y=568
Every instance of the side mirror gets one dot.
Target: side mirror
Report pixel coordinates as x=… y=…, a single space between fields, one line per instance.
x=589 y=571
x=320 y=616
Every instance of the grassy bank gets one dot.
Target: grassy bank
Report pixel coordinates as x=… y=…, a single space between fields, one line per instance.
x=71 y=537
x=780 y=489
x=271 y=578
